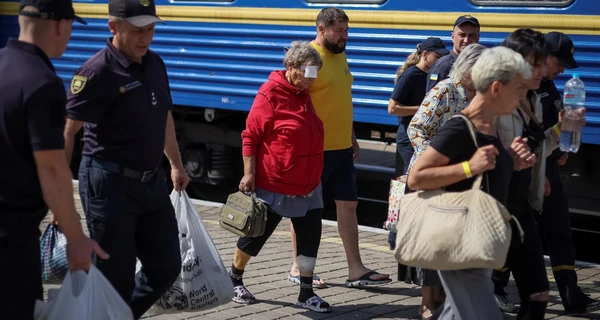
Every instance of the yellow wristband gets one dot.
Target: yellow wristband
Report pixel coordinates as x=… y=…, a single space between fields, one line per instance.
x=556 y=129
x=467 y=169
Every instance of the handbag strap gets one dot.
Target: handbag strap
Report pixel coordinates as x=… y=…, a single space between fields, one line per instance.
x=479 y=178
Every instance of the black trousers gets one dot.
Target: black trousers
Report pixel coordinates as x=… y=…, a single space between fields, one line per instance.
x=525 y=259
x=555 y=227
x=130 y=219
x=20 y=265
x=307 y=228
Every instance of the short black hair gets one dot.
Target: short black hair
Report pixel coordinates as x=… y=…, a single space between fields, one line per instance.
x=329 y=16
x=528 y=42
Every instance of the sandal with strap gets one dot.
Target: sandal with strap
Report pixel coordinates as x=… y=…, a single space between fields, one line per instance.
x=315 y=303
x=242 y=295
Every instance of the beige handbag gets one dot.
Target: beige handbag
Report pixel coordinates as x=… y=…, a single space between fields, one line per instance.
x=442 y=230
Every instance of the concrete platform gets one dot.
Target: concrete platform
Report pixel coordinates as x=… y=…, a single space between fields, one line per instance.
x=266 y=278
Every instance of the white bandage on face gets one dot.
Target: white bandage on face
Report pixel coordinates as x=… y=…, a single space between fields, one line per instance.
x=306 y=264
x=311 y=72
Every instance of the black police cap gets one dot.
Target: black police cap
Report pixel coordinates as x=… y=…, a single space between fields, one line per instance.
x=467 y=19
x=139 y=13
x=562 y=47
x=50 y=10
x=433 y=44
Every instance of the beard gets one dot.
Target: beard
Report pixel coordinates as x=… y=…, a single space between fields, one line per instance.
x=335 y=48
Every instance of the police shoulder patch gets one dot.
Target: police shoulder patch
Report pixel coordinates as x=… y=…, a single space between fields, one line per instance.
x=78 y=83
x=433 y=77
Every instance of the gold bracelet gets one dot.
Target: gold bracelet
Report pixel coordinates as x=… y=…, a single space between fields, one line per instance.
x=556 y=129
x=467 y=169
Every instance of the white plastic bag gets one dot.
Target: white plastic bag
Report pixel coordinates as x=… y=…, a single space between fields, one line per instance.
x=83 y=296
x=204 y=282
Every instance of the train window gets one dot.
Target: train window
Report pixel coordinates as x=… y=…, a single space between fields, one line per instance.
x=523 y=3
x=346 y=1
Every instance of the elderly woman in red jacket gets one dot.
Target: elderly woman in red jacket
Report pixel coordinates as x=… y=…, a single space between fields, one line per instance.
x=282 y=148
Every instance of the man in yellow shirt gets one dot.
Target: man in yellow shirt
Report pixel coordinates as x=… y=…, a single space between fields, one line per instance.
x=331 y=94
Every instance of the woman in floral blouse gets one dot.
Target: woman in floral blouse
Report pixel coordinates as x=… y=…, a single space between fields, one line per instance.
x=445 y=99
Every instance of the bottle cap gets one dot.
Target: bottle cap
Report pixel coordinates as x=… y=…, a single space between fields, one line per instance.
x=576 y=75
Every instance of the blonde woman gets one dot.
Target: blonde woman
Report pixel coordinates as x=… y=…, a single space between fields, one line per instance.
x=409 y=91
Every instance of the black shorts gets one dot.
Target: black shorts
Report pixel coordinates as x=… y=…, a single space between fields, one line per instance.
x=339 y=176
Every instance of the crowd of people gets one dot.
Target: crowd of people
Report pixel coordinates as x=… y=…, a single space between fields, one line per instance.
x=298 y=151
x=470 y=80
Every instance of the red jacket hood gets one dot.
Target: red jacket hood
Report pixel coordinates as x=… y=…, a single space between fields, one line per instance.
x=278 y=76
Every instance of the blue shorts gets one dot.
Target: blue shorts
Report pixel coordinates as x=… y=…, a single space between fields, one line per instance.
x=339 y=176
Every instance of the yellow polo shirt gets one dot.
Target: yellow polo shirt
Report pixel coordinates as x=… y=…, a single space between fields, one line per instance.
x=331 y=94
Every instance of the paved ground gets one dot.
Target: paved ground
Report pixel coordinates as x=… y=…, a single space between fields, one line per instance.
x=266 y=277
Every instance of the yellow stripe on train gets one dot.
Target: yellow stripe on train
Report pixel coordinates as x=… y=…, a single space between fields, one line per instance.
x=377 y=19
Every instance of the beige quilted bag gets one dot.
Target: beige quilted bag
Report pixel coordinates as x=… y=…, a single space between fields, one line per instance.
x=442 y=230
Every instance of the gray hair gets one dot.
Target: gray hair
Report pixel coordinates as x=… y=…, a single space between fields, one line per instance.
x=117 y=20
x=498 y=64
x=300 y=53
x=465 y=61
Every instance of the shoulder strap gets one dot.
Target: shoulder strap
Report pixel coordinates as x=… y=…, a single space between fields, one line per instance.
x=470 y=126
x=479 y=178
x=529 y=113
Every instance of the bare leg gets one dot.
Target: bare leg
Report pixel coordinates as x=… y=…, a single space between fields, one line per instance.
x=439 y=296
x=427 y=302
x=348 y=229
x=240 y=259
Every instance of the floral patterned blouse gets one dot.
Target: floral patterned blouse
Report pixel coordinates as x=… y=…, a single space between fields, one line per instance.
x=443 y=101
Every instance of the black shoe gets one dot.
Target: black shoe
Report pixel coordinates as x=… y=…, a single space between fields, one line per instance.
x=505 y=305
x=586 y=305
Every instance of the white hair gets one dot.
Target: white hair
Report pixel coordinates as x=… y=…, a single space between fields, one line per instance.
x=498 y=64
x=465 y=61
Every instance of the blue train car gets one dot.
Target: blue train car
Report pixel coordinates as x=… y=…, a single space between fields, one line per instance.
x=219 y=52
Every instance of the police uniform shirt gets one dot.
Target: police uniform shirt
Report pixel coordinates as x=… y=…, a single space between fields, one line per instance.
x=32 y=118
x=409 y=90
x=440 y=70
x=124 y=105
x=551 y=105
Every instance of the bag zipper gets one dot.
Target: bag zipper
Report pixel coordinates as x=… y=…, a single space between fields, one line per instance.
x=237 y=207
x=448 y=209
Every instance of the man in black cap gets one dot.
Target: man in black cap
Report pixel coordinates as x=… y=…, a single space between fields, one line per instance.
x=555 y=222
x=34 y=173
x=466 y=31
x=121 y=98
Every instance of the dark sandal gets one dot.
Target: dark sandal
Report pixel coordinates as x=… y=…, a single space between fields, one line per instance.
x=316 y=304
x=365 y=280
x=242 y=295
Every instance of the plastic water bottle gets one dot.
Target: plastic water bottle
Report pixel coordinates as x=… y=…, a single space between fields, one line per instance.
x=573 y=99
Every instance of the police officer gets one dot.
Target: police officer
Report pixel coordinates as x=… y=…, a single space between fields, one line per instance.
x=554 y=222
x=466 y=31
x=34 y=174
x=121 y=97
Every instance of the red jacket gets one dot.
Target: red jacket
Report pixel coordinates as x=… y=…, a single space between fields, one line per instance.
x=285 y=134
